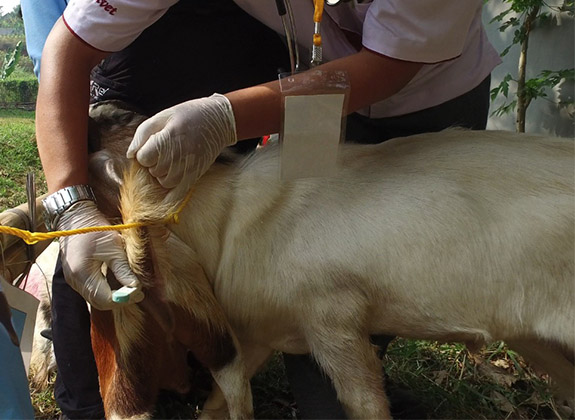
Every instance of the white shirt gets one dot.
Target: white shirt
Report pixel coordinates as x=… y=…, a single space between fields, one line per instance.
x=447 y=35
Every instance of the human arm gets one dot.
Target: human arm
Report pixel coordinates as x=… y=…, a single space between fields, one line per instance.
x=180 y=143
x=62 y=108
x=373 y=77
x=61 y=132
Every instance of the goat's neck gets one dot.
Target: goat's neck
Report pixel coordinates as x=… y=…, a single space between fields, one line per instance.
x=203 y=221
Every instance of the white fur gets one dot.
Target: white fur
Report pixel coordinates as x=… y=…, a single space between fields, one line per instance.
x=457 y=235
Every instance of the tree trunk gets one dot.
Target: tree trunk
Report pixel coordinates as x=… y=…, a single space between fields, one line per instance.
x=523 y=100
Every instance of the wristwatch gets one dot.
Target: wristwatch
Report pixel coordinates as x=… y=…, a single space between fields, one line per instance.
x=60 y=201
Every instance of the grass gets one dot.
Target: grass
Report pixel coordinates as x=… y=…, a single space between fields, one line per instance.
x=18 y=156
x=448 y=381
x=452 y=383
x=45 y=407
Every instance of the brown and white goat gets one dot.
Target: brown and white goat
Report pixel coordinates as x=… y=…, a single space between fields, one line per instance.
x=143 y=348
x=453 y=236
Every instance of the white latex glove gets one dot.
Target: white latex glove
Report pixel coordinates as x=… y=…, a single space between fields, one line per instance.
x=179 y=144
x=84 y=254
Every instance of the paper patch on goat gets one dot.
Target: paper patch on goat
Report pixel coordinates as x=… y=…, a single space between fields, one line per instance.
x=311 y=135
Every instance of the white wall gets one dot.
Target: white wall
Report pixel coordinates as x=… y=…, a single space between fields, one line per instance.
x=551 y=47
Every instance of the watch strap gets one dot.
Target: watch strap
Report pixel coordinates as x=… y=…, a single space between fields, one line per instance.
x=60 y=201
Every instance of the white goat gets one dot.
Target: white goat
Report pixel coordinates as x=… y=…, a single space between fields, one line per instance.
x=453 y=236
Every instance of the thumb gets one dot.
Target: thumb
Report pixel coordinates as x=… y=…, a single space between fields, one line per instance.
x=123 y=273
x=97 y=292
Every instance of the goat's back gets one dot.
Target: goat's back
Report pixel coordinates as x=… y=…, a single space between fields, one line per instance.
x=474 y=227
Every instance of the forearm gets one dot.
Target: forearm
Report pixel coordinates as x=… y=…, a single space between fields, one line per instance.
x=373 y=77
x=62 y=108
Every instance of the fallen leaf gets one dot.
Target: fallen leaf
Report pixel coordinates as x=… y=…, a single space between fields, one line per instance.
x=501 y=363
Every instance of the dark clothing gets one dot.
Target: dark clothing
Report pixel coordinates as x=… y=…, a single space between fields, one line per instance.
x=197 y=48
x=314 y=393
x=76 y=389
x=469 y=110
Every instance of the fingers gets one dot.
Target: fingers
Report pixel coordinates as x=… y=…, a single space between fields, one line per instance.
x=96 y=291
x=123 y=272
x=154 y=153
x=170 y=174
x=145 y=131
x=164 y=158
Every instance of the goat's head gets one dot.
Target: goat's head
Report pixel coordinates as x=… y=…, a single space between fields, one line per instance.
x=111 y=127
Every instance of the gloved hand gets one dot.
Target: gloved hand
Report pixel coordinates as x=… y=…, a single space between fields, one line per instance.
x=83 y=255
x=179 y=144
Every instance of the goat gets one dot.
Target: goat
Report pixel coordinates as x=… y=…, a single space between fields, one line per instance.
x=143 y=348
x=453 y=236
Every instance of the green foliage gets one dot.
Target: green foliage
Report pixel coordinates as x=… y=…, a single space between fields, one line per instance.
x=503 y=89
x=523 y=16
x=18 y=91
x=9 y=42
x=10 y=61
x=18 y=83
x=24 y=65
x=13 y=20
x=534 y=88
x=522 y=8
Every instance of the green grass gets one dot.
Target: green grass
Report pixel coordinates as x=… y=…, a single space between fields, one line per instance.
x=18 y=156
x=45 y=407
x=452 y=383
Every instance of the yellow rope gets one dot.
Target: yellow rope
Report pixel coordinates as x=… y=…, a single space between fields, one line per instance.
x=32 y=238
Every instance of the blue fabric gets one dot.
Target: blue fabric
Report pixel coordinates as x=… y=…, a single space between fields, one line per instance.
x=39 y=18
x=14 y=392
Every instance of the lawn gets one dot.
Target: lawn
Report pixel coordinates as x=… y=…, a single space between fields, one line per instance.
x=18 y=156
x=448 y=381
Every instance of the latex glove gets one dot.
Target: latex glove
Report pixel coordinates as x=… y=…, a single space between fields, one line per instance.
x=179 y=144
x=84 y=254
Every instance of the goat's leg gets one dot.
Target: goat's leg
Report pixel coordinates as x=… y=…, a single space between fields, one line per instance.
x=351 y=362
x=226 y=388
x=553 y=360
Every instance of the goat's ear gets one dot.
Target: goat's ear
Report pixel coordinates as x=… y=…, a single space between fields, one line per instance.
x=106 y=172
